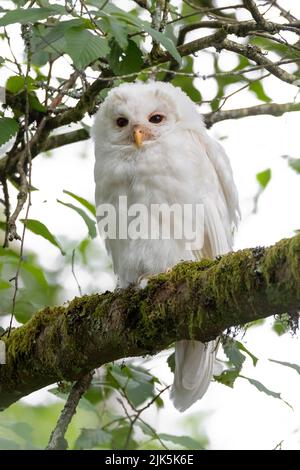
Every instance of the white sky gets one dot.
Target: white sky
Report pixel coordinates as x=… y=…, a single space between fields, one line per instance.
x=242 y=418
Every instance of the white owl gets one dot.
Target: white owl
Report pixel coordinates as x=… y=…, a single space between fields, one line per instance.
x=151 y=146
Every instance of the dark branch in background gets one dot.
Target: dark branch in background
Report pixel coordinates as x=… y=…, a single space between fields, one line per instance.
x=64 y=343
x=57 y=440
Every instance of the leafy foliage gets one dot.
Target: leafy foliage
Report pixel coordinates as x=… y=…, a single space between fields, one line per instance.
x=40 y=229
x=8 y=129
x=294 y=163
x=84 y=47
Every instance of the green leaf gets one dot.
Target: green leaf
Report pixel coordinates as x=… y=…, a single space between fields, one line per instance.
x=137 y=383
x=24 y=309
x=138 y=393
x=259 y=91
x=281 y=324
x=234 y=355
x=228 y=377
x=259 y=386
x=294 y=163
x=29 y=15
x=147 y=429
x=130 y=19
x=163 y=40
x=84 y=47
x=171 y=362
x=264 y=177
x=6 y=444
x=44 y=39
x=36 y=272
x=115 y=29
x=35 y=103
x=184 y=441
x=4 y=284
x=125 y=62
x=243 y=348
x=8 y=128
x=23 y=430
x=15 y=84
x=283 y=50
x=287 y=364
x=91 y=224
x=88 y=205
x=120 y=437
x=37 y=227
x=90 y=438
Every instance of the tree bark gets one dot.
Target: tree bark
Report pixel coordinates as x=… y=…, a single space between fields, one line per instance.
x=195 y=300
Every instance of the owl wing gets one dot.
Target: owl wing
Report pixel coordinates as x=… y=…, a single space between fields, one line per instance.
x=221 y=206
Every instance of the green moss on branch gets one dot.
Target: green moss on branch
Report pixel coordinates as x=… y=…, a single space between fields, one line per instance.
x=194 y=300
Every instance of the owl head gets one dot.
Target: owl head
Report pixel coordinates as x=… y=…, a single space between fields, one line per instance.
x=140 y=114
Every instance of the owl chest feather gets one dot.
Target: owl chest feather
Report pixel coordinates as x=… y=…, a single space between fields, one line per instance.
x=159 y=174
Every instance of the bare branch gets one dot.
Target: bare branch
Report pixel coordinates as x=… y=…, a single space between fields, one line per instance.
x=57 y=440
x=213 y=40
x=59 y=140
x=273 y=109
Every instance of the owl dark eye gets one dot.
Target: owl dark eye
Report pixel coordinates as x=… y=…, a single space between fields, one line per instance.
x=156 y=118
x=122 y=122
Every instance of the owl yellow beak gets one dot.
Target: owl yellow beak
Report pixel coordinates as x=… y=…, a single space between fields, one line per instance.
x=138 y=135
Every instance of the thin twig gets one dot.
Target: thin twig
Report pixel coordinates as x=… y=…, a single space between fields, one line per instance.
x=274 y=109
x=286 y=14
x=57 y=439
x=74 y=274
x=226 y=98
x=12 y=52
x=139 y=412
x=204 y=11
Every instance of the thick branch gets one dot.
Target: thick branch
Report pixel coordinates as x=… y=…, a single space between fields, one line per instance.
x=195 y=300
x=273 y=109
x=213 y=40
x=59 y=140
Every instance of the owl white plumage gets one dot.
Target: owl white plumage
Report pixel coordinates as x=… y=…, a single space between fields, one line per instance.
x=151 y=146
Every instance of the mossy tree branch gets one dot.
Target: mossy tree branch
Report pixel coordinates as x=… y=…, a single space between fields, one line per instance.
x=196 y=300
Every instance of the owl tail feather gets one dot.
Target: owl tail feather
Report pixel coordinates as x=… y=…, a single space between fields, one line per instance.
x=195 y=365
